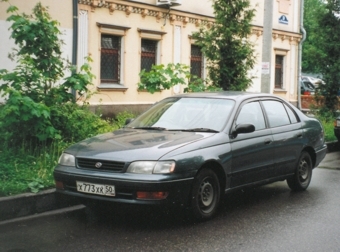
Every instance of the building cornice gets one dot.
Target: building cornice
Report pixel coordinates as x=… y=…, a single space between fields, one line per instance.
x=176 y=15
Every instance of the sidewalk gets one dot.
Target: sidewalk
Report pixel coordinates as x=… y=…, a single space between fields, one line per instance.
x=30 y=205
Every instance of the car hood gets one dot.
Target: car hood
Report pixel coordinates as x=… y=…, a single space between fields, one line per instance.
x=133 y=144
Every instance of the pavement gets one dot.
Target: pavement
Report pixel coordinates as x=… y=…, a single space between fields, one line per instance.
x=35 y=205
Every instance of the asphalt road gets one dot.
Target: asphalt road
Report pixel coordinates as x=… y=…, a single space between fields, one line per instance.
x=268 y=218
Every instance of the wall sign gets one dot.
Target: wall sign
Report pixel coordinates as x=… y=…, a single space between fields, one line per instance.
x=283 y=20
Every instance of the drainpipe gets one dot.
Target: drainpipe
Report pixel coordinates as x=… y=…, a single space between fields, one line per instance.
x=75 y=40
x=303 y=31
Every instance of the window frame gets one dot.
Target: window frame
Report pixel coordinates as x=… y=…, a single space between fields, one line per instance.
x=117 y=59
x=151 y=35
x=147 y=55
x=194 y=58
x=284 y=54
x=279 y=67
x=117 y=31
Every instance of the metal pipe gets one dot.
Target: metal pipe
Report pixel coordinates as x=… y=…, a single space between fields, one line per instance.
x=75 y=39
x=304 y=34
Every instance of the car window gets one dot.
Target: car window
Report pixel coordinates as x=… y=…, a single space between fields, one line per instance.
x=187 y=113
x=276 y=113
x=251 y=113
x=291 y=114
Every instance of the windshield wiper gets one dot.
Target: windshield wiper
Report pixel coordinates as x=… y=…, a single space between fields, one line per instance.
x=199 y=130
x=150 y=128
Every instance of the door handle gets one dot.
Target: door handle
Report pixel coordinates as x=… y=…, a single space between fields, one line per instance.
x=299 y=135
x=267 y=141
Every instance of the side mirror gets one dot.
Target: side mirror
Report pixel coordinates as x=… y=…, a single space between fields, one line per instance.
x=243 y=128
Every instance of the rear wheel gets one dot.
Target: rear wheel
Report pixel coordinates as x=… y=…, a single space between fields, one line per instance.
x=205 y=196
x=303 y=173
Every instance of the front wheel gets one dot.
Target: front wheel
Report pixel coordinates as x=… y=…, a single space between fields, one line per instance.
x=205 y=196
x=303 y=173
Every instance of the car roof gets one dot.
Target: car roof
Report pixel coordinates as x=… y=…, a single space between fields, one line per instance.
x=235 y=95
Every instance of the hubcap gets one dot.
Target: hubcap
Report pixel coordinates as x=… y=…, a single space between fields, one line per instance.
x=206 y=193
x=303 y=170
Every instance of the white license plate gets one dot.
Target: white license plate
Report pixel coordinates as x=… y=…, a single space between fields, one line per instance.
x=107 y=190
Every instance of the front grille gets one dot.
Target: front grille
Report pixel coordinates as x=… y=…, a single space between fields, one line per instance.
x=106 y=165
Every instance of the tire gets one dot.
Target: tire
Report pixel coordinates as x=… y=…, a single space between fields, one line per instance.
x=205 y=195
x=303 y=173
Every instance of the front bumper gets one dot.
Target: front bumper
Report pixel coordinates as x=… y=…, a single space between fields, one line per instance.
x=126 y=187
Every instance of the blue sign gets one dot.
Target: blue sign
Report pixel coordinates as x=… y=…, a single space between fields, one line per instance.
x=283 y=20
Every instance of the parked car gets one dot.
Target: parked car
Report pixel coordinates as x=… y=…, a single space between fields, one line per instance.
x=315 y=81
x=307 y=88
x=190 y=149
x=337 y=128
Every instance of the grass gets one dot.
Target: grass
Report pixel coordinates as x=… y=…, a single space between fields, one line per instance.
x=30 y=169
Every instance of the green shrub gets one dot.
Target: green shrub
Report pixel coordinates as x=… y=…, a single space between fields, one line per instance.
x=28 y=167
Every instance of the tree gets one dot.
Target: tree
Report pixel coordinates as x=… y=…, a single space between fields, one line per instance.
x=311 y=50
x=330 y=60
x=225 y=44
x=37 y=87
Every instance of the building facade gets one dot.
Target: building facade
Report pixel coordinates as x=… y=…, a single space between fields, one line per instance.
x=123 y=37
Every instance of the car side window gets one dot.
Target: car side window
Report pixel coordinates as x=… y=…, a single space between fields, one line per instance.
x=291 y=114
x=251 y=113
x=276 y=113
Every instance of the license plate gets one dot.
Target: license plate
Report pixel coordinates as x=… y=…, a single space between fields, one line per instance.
x=106 y=190
x=338 y=123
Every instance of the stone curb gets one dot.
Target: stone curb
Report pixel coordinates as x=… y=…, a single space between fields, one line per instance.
x=30 y=204
x=27 y=204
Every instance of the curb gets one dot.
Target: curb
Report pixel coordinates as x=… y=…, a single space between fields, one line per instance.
x=28 y=205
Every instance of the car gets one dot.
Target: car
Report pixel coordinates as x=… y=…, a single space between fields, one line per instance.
x=188 y=150
x=307 y=88
x=315 y=81
x=337 y=128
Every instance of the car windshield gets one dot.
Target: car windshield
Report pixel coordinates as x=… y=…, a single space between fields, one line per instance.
x=197 y=114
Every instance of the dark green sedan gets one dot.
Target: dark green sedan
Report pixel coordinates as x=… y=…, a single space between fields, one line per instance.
x=189 y=150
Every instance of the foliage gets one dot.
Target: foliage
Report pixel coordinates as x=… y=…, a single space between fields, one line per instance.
x=225 y=44
x=198 y=85
x=162 y=77
x=327 y=120
x=29 y=168
x=37 y=86
x=330 y=62
x=311 y=50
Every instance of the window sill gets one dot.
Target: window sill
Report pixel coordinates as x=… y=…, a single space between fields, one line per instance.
x=278 y=90
x=112 y=87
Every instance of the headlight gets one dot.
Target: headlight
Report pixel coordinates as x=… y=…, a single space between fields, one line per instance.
x=67 y=160
x=149 y=167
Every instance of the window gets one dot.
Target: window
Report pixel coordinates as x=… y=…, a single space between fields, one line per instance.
x=196 y=62
x=279 y=60
x=110 y=58
x=251 y=113
x=291 y=115
x=148 y=56
x=277 y=114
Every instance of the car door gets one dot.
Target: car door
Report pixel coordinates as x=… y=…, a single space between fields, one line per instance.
x=252 y=153
x=287 y=135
